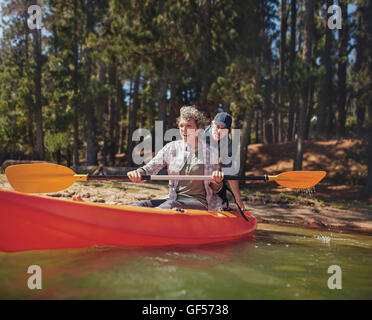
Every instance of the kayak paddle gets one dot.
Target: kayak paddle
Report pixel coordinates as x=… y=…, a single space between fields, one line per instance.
x=49 y=177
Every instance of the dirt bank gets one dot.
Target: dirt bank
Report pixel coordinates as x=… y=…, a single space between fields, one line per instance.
x=318 y=217
x=343 y=160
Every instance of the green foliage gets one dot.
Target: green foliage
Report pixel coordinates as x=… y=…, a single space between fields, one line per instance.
x=93 y=50
x=57 y=142
x=237 y=87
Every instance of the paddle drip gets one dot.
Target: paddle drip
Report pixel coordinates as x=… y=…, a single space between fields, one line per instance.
x=306 y=192
x=324 y=239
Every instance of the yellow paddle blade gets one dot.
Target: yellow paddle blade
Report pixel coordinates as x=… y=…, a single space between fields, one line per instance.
x=40 y=177
x=299 y=179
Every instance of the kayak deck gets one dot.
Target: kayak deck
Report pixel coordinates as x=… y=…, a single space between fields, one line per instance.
x=29 y=222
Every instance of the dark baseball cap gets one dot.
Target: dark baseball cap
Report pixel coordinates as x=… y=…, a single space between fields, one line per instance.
x=223 y=119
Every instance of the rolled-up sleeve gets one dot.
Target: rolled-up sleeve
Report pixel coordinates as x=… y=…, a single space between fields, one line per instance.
x=158 y=162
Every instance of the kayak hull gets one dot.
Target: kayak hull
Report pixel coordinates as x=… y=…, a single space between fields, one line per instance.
x=29 y=222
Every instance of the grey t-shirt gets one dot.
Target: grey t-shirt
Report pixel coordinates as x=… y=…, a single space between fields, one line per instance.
x=194 y=189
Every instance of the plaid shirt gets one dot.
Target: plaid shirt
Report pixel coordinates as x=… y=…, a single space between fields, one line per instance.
x=174 y=155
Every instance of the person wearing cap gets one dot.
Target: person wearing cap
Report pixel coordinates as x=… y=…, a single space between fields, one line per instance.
x=219 y=128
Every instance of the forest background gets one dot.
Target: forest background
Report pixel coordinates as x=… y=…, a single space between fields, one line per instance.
x=74 y=91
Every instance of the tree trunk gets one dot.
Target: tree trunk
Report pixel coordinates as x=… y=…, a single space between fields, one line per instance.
x=257 y=126
x=89 y=105
x=91 y=151
x=369 y=128
x=119 y=89
x=29 y=100
x=310 y=108
x=281 y=126
x=121 y=108
x=292 y=57
x=342 y=64
x=276 y=107
x=368 y=39
x=306 y=58
x=206 y=56
x=163 y=87
x=132 y=119
x=281 y=85
x=75 y=152
x=369 y=163
x=269 y=136
x=360 y=58
x=90 y=112
x=369 y=160
x=325 y=96
x=267 y=106
x=172 y=102
x=245 y=139
x=75 y=155
x=38 y=99
x=112 y=115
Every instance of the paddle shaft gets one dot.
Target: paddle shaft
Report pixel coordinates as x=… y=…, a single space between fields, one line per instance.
x=177 y=177
x=48 y=177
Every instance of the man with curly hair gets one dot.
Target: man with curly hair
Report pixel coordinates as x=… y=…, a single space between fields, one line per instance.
x=188 y=156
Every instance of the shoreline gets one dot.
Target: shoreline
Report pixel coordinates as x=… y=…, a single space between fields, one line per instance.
x=328 y=220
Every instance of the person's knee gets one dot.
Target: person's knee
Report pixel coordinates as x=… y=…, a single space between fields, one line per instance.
x=142 y=203
x=169 y=204
x=149 y=203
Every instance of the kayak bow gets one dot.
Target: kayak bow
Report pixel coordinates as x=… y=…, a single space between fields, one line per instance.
x=29 y=222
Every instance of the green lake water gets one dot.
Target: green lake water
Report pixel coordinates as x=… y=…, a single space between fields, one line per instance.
x=278 y=263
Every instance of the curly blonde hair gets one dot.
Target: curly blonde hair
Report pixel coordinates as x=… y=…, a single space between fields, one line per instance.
x=191 y=112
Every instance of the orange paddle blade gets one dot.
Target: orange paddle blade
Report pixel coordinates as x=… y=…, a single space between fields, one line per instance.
x=40 y=177
x=299 y=179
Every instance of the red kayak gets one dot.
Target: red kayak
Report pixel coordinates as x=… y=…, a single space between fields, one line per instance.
x=29 y=222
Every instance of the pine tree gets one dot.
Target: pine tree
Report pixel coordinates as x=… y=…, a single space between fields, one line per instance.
x=306 y=58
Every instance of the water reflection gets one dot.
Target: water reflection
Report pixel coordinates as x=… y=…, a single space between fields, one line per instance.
x=277 y=263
